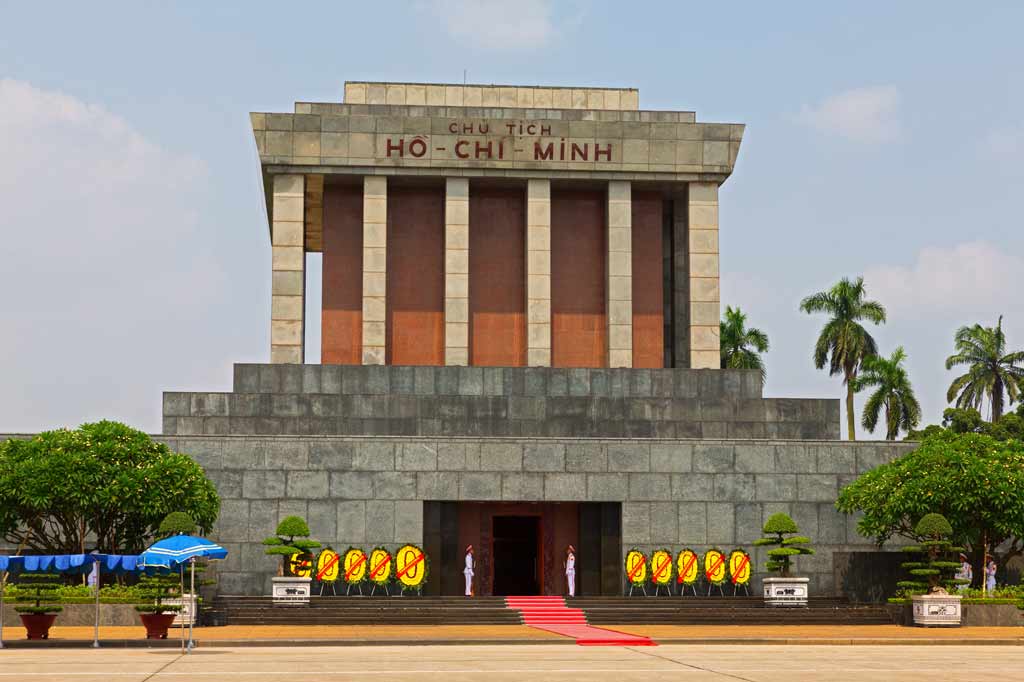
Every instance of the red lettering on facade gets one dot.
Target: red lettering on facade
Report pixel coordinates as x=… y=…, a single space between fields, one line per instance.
x=543 y=153
x=483 y=128
x=418 y=147
x=598 y=152
x=481 y=149
x=458 y=149
x=531 y=129
x=453 y=127
x=467 y=128
x=400 y=147
x=545 y=130
x=578 y=151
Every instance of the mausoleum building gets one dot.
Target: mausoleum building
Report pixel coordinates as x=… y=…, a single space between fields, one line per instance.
x=519 y=347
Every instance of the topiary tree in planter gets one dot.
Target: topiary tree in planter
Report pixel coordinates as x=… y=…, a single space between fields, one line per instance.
x=782 y=533
x=156 y=615
x=41 y=592
x=289 y=540
x=176 y=523
x=933 y=573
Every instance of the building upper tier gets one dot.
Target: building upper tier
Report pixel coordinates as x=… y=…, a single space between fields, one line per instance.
x=495 y=130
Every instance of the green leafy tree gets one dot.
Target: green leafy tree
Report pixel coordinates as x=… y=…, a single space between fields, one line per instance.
x=973 y=480
x=741 y=347
x=844 y=342
x=992 y=373
x=893 y=394
x=969 y=420
x=936 y=567
x=776 y=529
x=154 y=589
x=289 y=539
x=104 y=482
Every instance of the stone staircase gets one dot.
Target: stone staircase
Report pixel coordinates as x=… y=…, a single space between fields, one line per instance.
x=379 y=610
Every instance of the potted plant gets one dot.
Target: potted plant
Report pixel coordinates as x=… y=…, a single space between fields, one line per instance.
x=180 y=523
x=933 y=573
x=41 y=591
x=292 y=583
x=159 y=614
x=785 y=589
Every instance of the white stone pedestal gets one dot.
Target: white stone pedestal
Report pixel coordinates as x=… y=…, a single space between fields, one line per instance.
x=187 y=615
x=937 y=609
x=291 y=590
x=786 y=591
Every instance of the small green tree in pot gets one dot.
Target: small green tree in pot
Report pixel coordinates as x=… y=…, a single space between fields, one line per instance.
x=41 y=592
x=782 y=534
x=933 y=573
x=155 y=614
x=291 y=542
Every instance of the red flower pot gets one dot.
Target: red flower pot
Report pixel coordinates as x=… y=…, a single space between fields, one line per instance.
x=38 y=624
x=157 y=624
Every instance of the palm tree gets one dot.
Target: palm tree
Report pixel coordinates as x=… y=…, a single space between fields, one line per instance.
x=843 y=342
x=741 y=347
x=991 y=369
x=894 y=393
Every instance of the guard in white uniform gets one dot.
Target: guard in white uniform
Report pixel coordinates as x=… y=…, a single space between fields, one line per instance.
x=468 y=571
x=570 y=569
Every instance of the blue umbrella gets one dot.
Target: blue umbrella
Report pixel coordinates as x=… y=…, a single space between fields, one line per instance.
x=175 y=551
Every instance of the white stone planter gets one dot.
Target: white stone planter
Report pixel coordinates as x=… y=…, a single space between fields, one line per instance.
x=781 y=591
x=291 y=590
x=937 y=609
x=187 y=615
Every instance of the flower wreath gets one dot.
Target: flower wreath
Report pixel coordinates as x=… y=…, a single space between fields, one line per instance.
x=714 y=566
x=688 y=567
x=636 y=567
x=381 y=568
x=328 y=566
x=354 y=565
x=661 y=567
x=739 y=567
x=411 y=567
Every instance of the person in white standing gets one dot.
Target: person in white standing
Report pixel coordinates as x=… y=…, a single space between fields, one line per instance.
x=468 y=570
x=990 y=576
x=966 y=572
x=570 y=569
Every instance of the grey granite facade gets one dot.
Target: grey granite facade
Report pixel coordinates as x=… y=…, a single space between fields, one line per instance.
x=278 y=399
x=369 y=491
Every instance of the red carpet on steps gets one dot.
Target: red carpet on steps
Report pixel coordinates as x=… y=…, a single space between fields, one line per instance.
x=551 y=614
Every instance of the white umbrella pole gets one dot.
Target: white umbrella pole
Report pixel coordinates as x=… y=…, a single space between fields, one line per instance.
x=96 y=626
x=181 y=591
x=192 y=602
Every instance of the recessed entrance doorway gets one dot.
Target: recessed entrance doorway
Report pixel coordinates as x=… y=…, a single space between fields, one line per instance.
x=518 y=556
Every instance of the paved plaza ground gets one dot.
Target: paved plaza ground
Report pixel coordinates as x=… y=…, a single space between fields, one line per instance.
x=519 y=662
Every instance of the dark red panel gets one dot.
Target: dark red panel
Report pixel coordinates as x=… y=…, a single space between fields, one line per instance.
x=579 y=331
x=497 y=277
x=648 y=281
x=415 y=278
x=341 y=325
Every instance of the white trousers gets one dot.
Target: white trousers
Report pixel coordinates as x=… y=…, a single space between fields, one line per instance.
x=469 y=584
x=570 y=577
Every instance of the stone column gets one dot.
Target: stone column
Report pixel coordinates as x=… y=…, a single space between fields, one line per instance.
x=619 y=268
x=680 y=280
x=375 y=232
x=456 y=271
x=288 y=259
x=538 y=273
x=702 y=243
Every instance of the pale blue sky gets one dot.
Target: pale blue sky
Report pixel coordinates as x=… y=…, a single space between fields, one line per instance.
x=881 y=140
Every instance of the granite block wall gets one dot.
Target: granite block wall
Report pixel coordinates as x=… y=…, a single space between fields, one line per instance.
x=496 y=401
x=370 y=490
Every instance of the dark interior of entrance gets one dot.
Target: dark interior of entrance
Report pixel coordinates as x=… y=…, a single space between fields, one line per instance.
x=517 y=556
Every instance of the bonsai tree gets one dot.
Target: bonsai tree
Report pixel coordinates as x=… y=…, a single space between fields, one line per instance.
x=40 y=590
x=934 y=572
x=154 y=589
x=289 y=539
x=776 y=528
x=176 y=523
